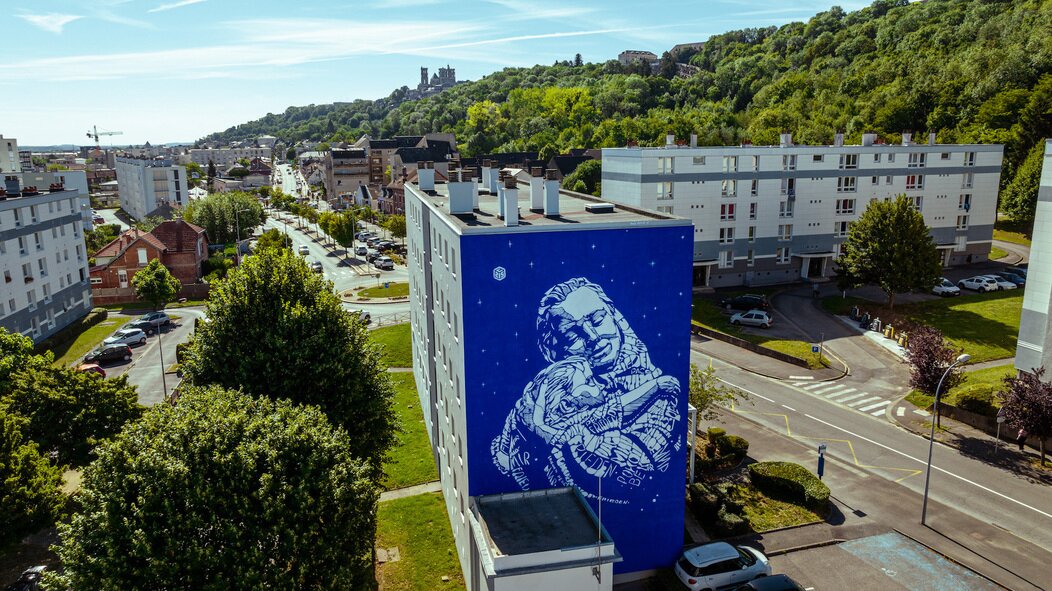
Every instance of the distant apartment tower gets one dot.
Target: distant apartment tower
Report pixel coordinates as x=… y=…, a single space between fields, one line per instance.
x=1034 y=348
x=550 y=351
x=146 y=185
x=777 y=214
x=42 y=258
x=345 y=171
x=10 y=161
x=25 y=158
x=226 y=157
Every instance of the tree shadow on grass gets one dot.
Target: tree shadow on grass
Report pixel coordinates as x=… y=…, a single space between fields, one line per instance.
x=1006 y=456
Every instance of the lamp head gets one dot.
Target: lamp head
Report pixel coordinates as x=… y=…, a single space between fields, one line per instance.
x=963 y=358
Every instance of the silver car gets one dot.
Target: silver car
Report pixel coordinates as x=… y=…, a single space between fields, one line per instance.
x=718 y=564
x=127 y=336
x=752 y=318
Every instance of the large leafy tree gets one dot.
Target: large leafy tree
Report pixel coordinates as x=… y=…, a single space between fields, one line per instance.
x=395 y=224
x=226 y=217
x=273 y=239
x=223 y=491
x=929 y=356
x=707 y=393
x=276 y=329
x=30 y=495
x=891 y=247
x=155 y=284
x=1027 y=403
x=16 y=354
x=1019 y=198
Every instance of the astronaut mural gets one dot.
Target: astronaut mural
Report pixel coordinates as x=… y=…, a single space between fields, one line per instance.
x=600 y=409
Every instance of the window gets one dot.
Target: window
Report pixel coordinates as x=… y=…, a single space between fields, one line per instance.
x=841 y=229
x=752 y=233
x=968 y=180
x=891 y=157
x=729 y=188
x=664 y=165
x=789 y=162
x=888 y=180
x=664 y=191
x=22 y=245
x=876 y=158
x=914 y=182
x=847 y=184
x=730 y=164
x=849 y=161
x=845 y=206
x=781 y=256
x=33 y=213
x=726 y=235
x=755 y=189
x=965 y=202
x=42 y=267
x=916 y=160
x=27 y=272
x=785 y=209
x=47 y=293
x=818 y=158
x=945 y=156
x=785 y=232
x=142 y=256
x=726 y=259
x=38 y=241
x=18 y=217
x=750 y=258
x=917 y=202
x=962 y=222
x=756 y=163
x=752 y=211
x=699 y=160
x=788 y=186
x=727 y=212
x=665 y=209
x=875 y=181
x=969 y=158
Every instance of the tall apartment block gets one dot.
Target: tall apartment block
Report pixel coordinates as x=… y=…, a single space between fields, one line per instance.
x=777 y=214
x=10 y=161
x=1034 y=348
x=43 y=259
x=550 y=349
x=146 y=184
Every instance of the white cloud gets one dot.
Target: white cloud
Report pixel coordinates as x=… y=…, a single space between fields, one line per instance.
x=179 y=4
x=51 y=22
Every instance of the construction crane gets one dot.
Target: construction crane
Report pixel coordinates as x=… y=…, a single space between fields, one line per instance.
x=95 y=133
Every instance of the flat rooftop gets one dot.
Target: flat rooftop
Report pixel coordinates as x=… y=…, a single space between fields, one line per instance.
x=536 y=521
x=572 y=211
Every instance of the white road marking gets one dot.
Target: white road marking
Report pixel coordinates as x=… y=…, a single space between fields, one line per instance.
x=789 y=407
x=943 y=470
x=880 y=404
x=801 y=377
x=900 y=411
x=749 y=392
x=815 y=385
x=852 y=397
x=829 y=389
x=922 y=412
x=858 y=403
x=844 y=392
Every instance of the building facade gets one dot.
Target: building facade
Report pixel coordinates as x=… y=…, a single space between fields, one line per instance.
x=146 y=185
x=345 y=171
x=181 y=247
x=43 y=260
x=550 y=338
x=70 y=180
x=777 y=214
x=226 y=157
x=10 y=161
x=1034 y=348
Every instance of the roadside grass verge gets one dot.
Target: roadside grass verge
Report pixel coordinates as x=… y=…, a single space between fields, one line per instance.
x=982 y=384
x=397 y=343
x=393 y=290
x=419 y=527
x=84 y=342
x=707 y=313
x=765 y=513
x=410 y=461
x=997 y=253
x=1009 y=231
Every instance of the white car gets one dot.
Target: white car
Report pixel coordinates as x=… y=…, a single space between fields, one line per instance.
x=978 y=283
x=127 y=336
x=752 y=318
x=1001 y=282
x=316 y=266
x=717 y=565
x=385 y=263
x=304 y=250
x=945 y=287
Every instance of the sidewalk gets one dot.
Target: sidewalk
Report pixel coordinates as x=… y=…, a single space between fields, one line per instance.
x=760 y=364
x=870 y=504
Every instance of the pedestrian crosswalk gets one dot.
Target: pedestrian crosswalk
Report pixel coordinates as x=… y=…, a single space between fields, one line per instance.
x=847 y=396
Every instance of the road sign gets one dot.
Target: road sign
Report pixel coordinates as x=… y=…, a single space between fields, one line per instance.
x=815 y=348
x=821 y=460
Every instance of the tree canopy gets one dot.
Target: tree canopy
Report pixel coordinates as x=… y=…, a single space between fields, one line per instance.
x=223 y=215
x=29 y=484
x=223 y=491
x=1027 y=403
x=155 y=284
x=276 y=329
x=891 y=247
x=706 y=393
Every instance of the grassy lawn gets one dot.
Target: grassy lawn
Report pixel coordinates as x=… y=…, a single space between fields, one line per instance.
x=87 y=340
x=410 y=461
x=142 y=308
x=708 y=314
x=397 y=343
x=997 y=253
x=765 y=513
x=985 y=325
x=419 y=527
x=393 y=290
x=985 y=382
x=1009 y=231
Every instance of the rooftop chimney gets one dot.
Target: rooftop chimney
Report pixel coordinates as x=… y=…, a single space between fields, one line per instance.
x=498 y=189
x=425 y=176
x=469 y=174
x=785 y=140
x=551 y=194
x=486 y=164
x=494 y=180
x=907 y=138
x=510 y=198
x=693 y=140
x=838 y=140
x=670 y=139
x=868 y=139
x=537 y=188
x=461 y=193
x=931 y=139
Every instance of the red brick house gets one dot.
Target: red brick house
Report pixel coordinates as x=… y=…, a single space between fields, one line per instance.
x=180 y=246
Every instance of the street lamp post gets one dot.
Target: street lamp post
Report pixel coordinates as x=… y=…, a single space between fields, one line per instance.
x=962 y=358
x=237 y=229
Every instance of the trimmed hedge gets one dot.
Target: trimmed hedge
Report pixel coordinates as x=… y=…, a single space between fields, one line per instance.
x=72 y=331
x=792 y=481
x=978 y=401
x=704 y=501
x=730 y=524
x=722 y=451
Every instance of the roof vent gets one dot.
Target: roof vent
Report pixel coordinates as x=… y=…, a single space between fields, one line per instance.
x=601 y=207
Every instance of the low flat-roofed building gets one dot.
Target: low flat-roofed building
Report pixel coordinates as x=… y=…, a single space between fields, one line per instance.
x=539 y=539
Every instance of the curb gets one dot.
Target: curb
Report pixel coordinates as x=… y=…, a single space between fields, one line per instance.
x=756 y=371
x=810 y=546
x=847 y=368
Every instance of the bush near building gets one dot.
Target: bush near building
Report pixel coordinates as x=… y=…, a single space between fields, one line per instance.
x=791 y=481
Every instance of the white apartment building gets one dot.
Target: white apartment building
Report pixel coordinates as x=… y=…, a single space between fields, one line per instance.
x=10 y=161
x=71 y=180
x=43 y=259
x=777 y=214
x=1034 y=348
x=226 y=157
x=145 y=185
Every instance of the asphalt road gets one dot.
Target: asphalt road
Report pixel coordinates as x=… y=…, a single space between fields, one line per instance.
x=853 y=423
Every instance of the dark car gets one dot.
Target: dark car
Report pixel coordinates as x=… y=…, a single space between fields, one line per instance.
x=109 y=353
x=746 y=302
x=146 y=326
x=771 y=583
x=1021 y=271
x=157 y=318
x=29 y=581
x=1013 y=277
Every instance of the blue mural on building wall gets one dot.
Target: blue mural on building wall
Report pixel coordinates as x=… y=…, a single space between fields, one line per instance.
x=576 y=354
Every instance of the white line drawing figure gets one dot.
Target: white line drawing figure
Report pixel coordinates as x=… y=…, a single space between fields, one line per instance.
x=599 y=410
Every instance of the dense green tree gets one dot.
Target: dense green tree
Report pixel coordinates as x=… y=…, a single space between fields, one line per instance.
x=891 y=247
x=1027 y=402
x=223 y=491
x=273 y=239
x=223 y=215
x=100 y=236
x=30 y=494
x=395 y=224
x=1019 y=198
x=155 y=284
x=192 y=169
x=211 y=173
x=276 y=329
x=16 y=354
x=707 y=393
x=589 y=174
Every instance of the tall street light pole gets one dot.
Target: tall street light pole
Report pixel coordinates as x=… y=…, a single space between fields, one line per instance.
x=963 y=358
x=237 y=229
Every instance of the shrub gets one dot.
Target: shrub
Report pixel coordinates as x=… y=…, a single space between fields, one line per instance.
x=722 y=451
x=976 y=400
x=704 y=502
x=729 y=523
x=180 y=350
x=715 y=434
x=792 y=481
x=732 y=445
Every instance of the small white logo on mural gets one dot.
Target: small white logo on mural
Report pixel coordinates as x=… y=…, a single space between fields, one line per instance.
x=499 y=273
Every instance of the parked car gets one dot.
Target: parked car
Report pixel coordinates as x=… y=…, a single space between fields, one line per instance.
x=29 y=581
x=362 y=315
x=945 y=288
x=106 y=353
x=771 y=583
x=1018 y=271
x=371 y=254
x=316 y=266
x=157 y=319
x=97 y=219
x=91 y=368
x=1015 y=278
x=749 y=301
x=126 y=336
x=978 y=283
x=303 y=249
x=385 y=263
x=1002 y=283
x=752 y=318
x=718 y=564
x=361 y=251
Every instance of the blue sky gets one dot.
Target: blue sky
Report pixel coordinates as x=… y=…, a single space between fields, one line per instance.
x=175 y=70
